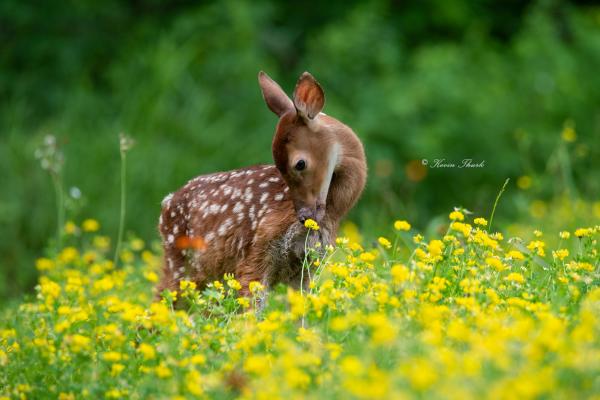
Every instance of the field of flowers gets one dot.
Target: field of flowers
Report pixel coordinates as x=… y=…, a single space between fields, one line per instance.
x=470 y=314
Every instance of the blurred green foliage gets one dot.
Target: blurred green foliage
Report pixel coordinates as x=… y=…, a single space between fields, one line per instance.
x=486 y=80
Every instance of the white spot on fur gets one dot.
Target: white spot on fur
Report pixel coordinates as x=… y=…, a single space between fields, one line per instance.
x=170 y=239
x=175 y=229
x=263 y=197
x=248 y=195
x=222 y=231
x=227 y=190
x=263 y=185
x=224 y=208
x=214 y=209
x=166 y=203
x=238 y=208
x=279 y=196
x=209 y=237
x=273 y=179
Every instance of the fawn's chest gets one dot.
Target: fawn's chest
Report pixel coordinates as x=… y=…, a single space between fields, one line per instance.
x=287 y=253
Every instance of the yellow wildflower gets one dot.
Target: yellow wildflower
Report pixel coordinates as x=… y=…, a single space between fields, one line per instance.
x=44 y=264
x=384 y=242
x=564 y=234
x=480 y=221
x=401 y=225
x=524 y=182
x=515 y=277
x=456 y=216
x=162 y=371
x=147 y=351
x=311 y=224
x=561 y=254
x=90 y=225
x=70 y=228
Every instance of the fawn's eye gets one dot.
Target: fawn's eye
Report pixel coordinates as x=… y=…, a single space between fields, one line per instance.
x=300 y=165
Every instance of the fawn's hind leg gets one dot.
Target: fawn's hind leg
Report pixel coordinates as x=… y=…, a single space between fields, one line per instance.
x=173 y=267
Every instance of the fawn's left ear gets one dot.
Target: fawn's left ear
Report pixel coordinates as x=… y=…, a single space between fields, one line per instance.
x=274 y=96
x=309 y=98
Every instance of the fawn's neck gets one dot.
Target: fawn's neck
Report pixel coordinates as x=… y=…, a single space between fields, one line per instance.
x=349 y=178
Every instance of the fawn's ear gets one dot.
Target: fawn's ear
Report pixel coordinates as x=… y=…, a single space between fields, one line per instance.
x=274 y=96
x=309 y=98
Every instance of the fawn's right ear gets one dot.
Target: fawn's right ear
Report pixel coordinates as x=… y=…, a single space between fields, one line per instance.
x=274 y=96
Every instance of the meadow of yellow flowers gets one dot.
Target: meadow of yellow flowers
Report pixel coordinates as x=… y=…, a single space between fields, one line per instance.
x=470 y=314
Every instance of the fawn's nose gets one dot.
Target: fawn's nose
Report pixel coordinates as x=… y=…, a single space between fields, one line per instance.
x=317 y=213
x=305 y=213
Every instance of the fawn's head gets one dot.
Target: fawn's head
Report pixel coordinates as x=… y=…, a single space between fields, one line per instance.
x=305 y=146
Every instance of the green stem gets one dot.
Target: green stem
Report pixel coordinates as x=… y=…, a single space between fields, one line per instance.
x=496 y=203
x=122 y=212
x=60 y=208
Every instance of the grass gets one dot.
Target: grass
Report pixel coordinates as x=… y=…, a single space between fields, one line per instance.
x=470 y=314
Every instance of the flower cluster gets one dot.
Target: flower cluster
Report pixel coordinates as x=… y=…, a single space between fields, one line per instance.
x=468 y=314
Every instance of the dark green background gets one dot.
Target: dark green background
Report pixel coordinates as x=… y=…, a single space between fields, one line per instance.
x=487 y=80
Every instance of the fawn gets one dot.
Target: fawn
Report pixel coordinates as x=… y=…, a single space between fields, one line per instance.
x=249 y=221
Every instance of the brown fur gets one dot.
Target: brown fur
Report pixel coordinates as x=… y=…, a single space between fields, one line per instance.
x=245 y=221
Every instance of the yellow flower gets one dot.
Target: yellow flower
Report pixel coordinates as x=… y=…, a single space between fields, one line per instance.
x=400 y=273
x=568 y=133
x=352 y=366
x=151 y=276
x=515 y=277
x=537 y=233
x=401 y=225
x=581 y=232
x=101 y=242
x=564 y=234
x=186 y=285
x=311 y=224
x=243 y=301
x=515 y=255
x=524 y=182
x=420 y=373
x=457 y=216
x=436 y=247
x=90 y=225
x=418 y=238
x=384 y=242
x=44 y=264
x=193 y=383
x=68 y=255
x=495 y=263
x=256 y=287
x=367 y=256
x=116 y=369
x=78 y=343
x=112 y=356
x=257 y=364
x=162 y=371
x=561 y=254
x=137 y=244
x=234 y=284
x=70 y=228
x=147 y=351
x=538 y=247
x=480 y=221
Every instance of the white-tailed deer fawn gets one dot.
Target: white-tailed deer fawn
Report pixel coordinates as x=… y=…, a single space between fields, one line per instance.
x=249 y=221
